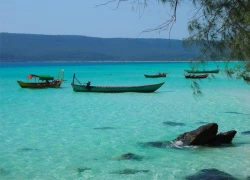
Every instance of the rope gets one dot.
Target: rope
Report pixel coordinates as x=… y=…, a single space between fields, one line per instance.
x=78 y=81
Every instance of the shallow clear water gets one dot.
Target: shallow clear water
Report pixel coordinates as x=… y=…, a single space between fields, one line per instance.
x=50 y=133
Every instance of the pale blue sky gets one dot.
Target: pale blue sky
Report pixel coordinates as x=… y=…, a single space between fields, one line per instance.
x=81 y=17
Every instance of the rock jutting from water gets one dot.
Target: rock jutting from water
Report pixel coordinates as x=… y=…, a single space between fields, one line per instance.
x=206 y=135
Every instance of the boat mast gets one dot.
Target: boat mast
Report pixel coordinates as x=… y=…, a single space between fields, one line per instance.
x=73 y=79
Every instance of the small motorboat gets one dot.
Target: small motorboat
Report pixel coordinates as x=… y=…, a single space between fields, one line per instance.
x=194 y=76
x=43 y=81
x=158 y=75
x=202 y=71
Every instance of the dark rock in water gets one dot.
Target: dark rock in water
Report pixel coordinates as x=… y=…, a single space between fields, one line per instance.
x=211 y=174
x=158 y=144
x=200 y=136
x=28 y=149
x=130 y=171
x=236 y=113
x=202 y=122
x=104 y=128
x=223 y=138
x=130 y=156
x=246 y=132
x=206 y=135
x=80 y=170
x=3 y=172
x=170 y=123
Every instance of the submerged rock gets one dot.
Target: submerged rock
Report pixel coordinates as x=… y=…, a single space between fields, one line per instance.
x=239 y=113
x=4 y=172
x=129 y=156
x=211 y=174
x=158 y=144
x=129 y=171
x=245 y=132
x=202 y=122
x=28 y=149
x=104 y=128
x=80 y=170
x=206 y=135
x=170 y=123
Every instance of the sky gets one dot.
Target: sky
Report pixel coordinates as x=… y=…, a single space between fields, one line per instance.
x=83 y=17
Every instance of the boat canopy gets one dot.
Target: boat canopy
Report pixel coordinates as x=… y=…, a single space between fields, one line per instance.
x=41 y=77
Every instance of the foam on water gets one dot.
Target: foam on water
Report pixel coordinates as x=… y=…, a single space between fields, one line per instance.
x=52 y=133
x=178 y=143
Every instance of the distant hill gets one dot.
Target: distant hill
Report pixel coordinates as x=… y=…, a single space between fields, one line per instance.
x=30 y=47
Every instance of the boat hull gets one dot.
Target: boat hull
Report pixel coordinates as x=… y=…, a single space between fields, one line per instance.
x=191 y=76
x=38 y=85
x=154 y=76
x=246 y=78
x=201 y=72
x=117 y=89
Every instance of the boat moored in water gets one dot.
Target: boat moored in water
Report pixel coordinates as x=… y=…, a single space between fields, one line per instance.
x=194 y=76
x=43 y=81
x=113 y=89
x=158 y=75
x=246 y=78
x=202 y=71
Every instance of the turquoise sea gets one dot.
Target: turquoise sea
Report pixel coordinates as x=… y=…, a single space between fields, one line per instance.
x=49 y=134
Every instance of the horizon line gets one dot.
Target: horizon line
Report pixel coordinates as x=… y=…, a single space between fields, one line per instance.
x=85 y=36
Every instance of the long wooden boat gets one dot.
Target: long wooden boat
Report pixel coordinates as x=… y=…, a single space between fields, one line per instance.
x=43 y=81
x=159 y=75
x=202 y=71
x=52 y=84
x=246 y=78
x=114 y=89
x=194 y=76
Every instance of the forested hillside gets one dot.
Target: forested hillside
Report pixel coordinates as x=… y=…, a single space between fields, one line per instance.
x=30 y=47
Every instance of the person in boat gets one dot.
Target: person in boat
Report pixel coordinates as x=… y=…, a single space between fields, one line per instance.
x=47 y=82
x=88 y=84
x=54 y=82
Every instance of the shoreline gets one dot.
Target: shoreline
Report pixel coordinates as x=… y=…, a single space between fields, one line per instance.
x=112 y=61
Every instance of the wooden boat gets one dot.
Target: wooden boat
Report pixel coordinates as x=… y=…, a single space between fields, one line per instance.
x=114 y=89
x=156 y=75
x=194 y=76
x=246 y=78
x=202 y=71
x=43 y=81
